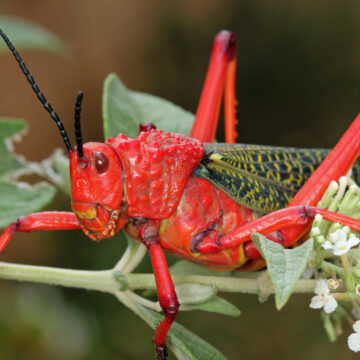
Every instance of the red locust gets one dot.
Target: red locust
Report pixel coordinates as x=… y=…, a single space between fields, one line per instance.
x=197 y=200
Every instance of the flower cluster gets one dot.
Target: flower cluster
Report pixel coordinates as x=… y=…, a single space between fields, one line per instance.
x=354 y=339
x=342 y=197
x=323 y=299
x=339 y=242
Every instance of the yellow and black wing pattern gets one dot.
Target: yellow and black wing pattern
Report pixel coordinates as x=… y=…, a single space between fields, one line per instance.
x=262 y=178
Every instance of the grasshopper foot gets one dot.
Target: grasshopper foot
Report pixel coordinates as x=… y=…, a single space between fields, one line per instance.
x=161 y=352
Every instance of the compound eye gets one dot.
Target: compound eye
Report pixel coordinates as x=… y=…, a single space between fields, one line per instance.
x=101 y=162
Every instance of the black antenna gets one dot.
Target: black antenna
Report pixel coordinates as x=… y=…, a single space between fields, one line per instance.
x=78 y=136
x=37 y=91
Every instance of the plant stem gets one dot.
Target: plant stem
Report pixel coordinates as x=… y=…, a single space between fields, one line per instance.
x=226 y=284
x=133 y=255
x=331 y=268
x=343 y=296
x=105 y=281
x=349 y=279
x=91 y=280
x=345 y=263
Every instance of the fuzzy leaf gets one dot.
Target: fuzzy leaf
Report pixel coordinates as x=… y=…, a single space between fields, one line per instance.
x=26 y=35
x=186 y=344
x=163 y=113
x=215 y=304
x=56 y=169
x=194 y=293
x=120 y=112
x=124 y=110
x=18 y=199
x=62 y=168
x=10 y=129
x=285 y=266
x=183 y=267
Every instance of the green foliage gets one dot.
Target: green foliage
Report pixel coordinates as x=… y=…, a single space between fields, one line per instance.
x=9 y=162
x=216 y=305
x=188 y=268
x=186 y=344
x=120 y=113
x=194 y=294
x=285 y=266
x=17 y=198
x=164 y=114
x=26 y=35
x=124 y=110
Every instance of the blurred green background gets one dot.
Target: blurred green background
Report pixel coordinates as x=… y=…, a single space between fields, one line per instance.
x=298 y=84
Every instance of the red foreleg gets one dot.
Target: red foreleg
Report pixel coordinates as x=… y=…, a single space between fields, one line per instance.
x=167 y=298
x=165 y=287
x=297 y=217
x=54 y=220
x=221 y=72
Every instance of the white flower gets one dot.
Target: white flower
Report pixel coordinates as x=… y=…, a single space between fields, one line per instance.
x=354 y=339
x=315 y=231
x=339 y=243
x=333 y=284
x=323 y=298
x=357 y=290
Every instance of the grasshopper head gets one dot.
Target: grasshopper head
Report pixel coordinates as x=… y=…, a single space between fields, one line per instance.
x=96 y=184
x=97 y=189
x=95 y=170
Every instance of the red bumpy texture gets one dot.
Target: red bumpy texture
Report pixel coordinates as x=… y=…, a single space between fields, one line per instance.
x=156 y=166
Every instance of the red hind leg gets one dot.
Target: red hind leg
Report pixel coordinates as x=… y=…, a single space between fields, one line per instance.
x=220 y=74
x=54 y=220
x=290 y=217
x=335 y=165
x=230 y=103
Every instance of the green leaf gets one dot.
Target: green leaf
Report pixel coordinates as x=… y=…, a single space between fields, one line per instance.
x=163 y=113
x=124 y=110
x=26 y=35
x=187 y=345
x=285 y=266
x=213 y=303
x=216 y=305
x=183 y=267
x=329 y=327
x=194 y=293
x=18 y=199
x=120 y=112
x=61 y=166
x=10 y=129
x=56 y=169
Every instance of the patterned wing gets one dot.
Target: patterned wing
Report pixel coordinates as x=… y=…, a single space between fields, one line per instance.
x=262 y=178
